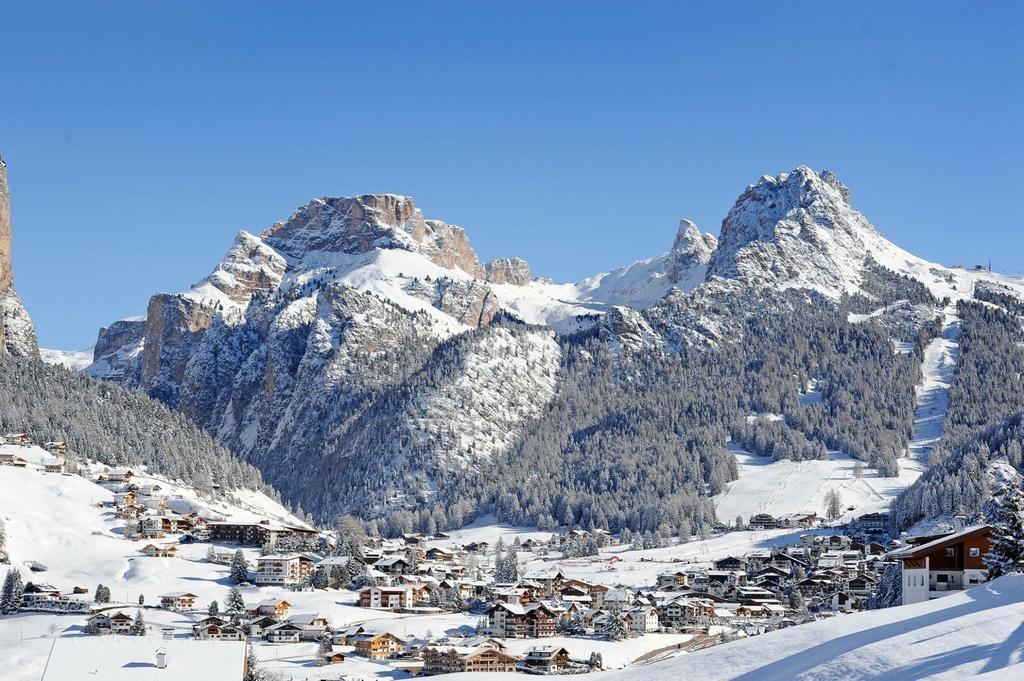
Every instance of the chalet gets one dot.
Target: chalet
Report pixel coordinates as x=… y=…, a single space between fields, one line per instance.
x=508 y=620
x=546 y=659
x=283 y=570
x=390 y=597
x=454 y=659
x=440 y=555
x=154 y=551
x=674 y=580
x=57 y=448
x=549 y=580
x=730 y=563
x=763 y=521
x=274 y=607
x=53 y=466
x=122 y=475
x=216 y=629
x=343 y=637
x=951 y=563
x=257 y=625
x=36 y=594
x=312 y=626
x=334 y=657
x=392 y=565
x=873 y=523
x=798 y=520
x=376 y=646
x=643 y=619
x=283 y=632
x=120 y=623
x=178 y=601
x=7 y=459
x=21 y=439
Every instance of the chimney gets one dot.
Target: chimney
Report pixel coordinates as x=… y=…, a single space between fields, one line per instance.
x=161 y=658
x=958 y=523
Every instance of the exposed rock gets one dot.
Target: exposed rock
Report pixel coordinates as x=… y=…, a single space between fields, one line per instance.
x=691 y=250
x=508 y=271
x=117 y=355
x=17 y=333
x=174 y=324
x=250 y=266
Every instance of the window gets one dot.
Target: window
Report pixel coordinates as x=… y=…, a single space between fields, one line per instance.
x=951 y=552
x=942 y=578
x=975 y=552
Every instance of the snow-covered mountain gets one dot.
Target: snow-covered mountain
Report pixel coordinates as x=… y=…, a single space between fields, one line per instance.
x=358 y=320
x=17 y=333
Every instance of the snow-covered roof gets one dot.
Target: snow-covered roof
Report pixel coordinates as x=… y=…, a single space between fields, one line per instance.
x=127 y=658
x=928 y=547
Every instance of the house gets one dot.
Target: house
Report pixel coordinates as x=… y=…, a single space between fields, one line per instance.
x=57 y=448
x=283 y=570
x=154 y=551
x=312 y=626
x=131 y=658
x=513 y=620
x=730 y=563
x=794 y=520
x=21 y=439
x=763 y=521
x=546 y=659
x=674 y=580
x=7 y=459
x=391 y=597
x=440 y=555
x=178 y=601
x=376 y=646
x=643 y=619
x=53 y=466
x=216 y=629
x=274 y=607
x=120 y=623
x=454 y=659
x=123 y=475
x=873 y=523
x=334 y=657
x=392 y=565
x=283 y=632
x=951 y=563
x=36 y=595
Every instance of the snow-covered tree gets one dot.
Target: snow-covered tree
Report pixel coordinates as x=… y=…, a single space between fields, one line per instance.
x=595 y=661
x=138 y=625
x=320 y=578
x=211 y=554
x=214 y=609
x=12 y=593
x=234 y=602
x=324 y=649
x=615 y=628
x=239 y=568
x=1007 y=552
x=102 y=594
x=142 y=599
x=833 y=505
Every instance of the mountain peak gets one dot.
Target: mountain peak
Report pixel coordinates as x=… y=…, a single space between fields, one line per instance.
x=795 y=229
x=691 y=249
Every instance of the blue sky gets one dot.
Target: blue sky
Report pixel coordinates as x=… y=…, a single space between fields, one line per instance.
x=141 y=136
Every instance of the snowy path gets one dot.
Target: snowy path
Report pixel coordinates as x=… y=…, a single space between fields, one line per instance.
x=938 y=369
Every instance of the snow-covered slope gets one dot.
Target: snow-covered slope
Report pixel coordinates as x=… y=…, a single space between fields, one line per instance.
x=976 y=633
x=76 y=360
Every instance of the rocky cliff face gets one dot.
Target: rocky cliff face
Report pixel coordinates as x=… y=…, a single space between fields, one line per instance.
x=17 y=333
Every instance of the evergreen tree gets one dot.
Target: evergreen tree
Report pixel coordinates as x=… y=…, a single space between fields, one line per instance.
x=142 y=599
x=239 y=568
x=12 y=593
x=235 y=603
x=102 y=594
x=324 y=649
x=1007 y=552
x=214 y=609
x=615 y=627
x=320 y=578
x=211 y=554
x=138 y=625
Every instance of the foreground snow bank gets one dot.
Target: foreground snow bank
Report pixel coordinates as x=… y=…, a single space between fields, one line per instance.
x=975 y=633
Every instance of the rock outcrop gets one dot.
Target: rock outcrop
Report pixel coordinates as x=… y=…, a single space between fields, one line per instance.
x=508 y=271
x=17 y=333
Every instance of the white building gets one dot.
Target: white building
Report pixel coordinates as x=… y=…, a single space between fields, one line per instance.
x=283 y=570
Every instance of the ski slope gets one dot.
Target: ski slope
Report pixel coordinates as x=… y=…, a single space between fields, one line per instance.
x=782 y=487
